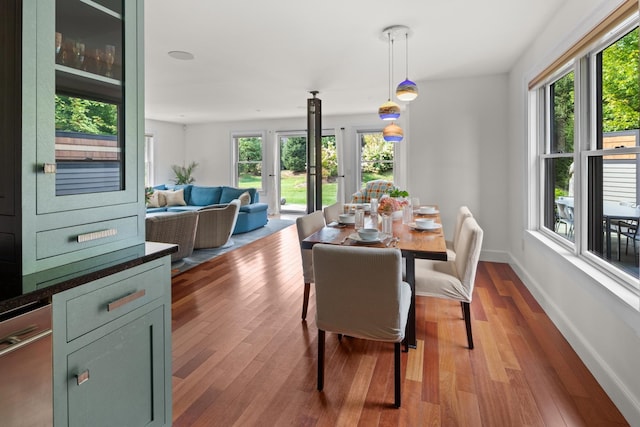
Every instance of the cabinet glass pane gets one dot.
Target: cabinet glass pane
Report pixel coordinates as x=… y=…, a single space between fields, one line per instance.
x=89 y=96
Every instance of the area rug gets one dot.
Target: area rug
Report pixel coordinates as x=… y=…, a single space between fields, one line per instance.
x=201 y=255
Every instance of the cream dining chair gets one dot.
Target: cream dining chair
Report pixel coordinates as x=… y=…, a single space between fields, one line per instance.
x=307 y=225
x=454 y=279
x=360 y=294
x=463 y=213
x=332 y=212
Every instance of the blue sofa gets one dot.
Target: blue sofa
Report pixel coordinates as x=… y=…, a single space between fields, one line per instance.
x=196 y=197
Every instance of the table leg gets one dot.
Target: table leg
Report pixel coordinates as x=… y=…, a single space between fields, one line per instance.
x=411 y=279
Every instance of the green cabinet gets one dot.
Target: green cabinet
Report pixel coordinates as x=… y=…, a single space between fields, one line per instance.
x=81 y=188
x=111 y=358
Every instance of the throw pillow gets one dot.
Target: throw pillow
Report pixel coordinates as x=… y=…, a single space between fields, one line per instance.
x=157 y=200
x=203 y=196
x=175 y=198
x=245 y=198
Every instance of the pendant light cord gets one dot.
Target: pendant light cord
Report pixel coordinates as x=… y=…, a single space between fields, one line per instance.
x=406 y=35
x=390 y=61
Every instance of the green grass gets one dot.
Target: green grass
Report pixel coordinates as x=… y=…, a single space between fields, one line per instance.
x=294 y=186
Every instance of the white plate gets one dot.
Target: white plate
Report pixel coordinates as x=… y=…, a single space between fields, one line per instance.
x=435 y=226
x=356 y=238
x=433 y=212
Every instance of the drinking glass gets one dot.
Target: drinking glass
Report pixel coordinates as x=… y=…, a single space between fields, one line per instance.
x=415 y=201
x=359 y=220
x=110 y=57
x=387 y=224
x=407 y=214
x=374 y=205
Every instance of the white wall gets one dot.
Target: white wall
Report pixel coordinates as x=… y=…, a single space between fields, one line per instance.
x=458 y=153
x=604 y=330
x=169 y=148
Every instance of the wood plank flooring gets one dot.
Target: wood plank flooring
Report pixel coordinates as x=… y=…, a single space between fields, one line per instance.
x=242 y=356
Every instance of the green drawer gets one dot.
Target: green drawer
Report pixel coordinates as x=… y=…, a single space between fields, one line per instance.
x=70 y=239
x=117 y=295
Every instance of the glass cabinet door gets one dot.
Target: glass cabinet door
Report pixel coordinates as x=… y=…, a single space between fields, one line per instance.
x=87 y=123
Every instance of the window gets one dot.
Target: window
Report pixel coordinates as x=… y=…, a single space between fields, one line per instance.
x=376 y=157
x=149 y=180
x=589 y=150
x=248 y=149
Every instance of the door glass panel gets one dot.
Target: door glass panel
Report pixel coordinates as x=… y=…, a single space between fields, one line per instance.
x=89 y=97
x=293 y=176
x=329 y=170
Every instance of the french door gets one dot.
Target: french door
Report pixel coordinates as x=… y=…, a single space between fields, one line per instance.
x=291 y=174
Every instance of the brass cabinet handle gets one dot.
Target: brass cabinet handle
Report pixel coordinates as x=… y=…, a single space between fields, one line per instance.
x=82 y=377
x=125 y=300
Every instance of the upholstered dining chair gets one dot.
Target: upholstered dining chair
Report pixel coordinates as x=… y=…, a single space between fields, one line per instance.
x=360 y=294
x=463 y=213
x=216 y=224
x=307 y=225
x=454 y=280
x=332 y=212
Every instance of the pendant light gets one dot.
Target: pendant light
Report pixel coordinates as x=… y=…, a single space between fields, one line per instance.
x=392 y=133
x=407 y=90
x=389 y=110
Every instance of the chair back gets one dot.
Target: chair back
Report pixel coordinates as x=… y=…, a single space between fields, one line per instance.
x=216 y=224
x=306 y=226
x=468 y=253
x=360 y=292
x=463 y=213
x=332 y=212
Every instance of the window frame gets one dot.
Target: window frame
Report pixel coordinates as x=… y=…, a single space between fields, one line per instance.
x=359 y=134
x=586 y=128
x=235 y=137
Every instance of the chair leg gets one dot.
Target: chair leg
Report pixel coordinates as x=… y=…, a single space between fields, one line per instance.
x=397 y=369
x=320 y=359
x=467 y=320
x=305 y=300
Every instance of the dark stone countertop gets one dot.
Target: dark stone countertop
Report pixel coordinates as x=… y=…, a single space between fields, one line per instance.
x=27 y=289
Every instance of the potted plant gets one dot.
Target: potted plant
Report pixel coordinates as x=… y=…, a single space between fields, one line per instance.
x=183 y=173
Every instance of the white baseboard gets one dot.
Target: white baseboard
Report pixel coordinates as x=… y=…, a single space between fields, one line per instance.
x=617 y=390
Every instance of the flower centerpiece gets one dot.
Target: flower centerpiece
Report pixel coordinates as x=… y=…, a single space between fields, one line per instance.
x=393 y=202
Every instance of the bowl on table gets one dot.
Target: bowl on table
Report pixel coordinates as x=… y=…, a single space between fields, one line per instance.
x=427 y=210
x=347 y=218
x=368 y=234
x=425 y=223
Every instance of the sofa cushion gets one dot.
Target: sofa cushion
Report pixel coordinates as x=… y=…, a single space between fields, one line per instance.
x=175 y=198
x=186 y=208
x=245 y=198
x=204 y=196
x=230 y=193
x=155 y=210
x=157 y=200
x=254 y=207
x=160 y=187
x=185 y=187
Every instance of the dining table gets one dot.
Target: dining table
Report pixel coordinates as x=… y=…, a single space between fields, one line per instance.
x=413 y=243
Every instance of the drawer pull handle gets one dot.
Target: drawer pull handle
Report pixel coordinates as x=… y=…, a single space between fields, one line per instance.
x=97 y=235
x=126 y=300
x=49 y=168
x=83 y=377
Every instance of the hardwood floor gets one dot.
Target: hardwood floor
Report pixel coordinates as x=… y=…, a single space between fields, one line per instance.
x=242 y=356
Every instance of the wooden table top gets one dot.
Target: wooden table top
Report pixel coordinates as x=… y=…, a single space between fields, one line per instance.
x=429 y=244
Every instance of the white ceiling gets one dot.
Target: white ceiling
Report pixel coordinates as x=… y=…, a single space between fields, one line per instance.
x=257 y=59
